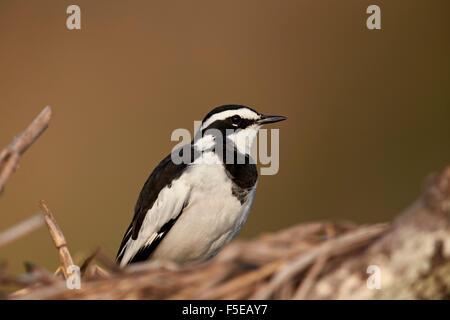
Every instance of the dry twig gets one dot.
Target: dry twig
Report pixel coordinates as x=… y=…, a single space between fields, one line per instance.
x=88 y=261
x=21 y=229
x=58 y=238
x=308 y=281
x=10 y=156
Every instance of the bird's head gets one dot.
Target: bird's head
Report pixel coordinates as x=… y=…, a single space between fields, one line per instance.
x=237 y=124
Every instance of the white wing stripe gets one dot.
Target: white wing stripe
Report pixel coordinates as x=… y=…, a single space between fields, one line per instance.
x=167 y=206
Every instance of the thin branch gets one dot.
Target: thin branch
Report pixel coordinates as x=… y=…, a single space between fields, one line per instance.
x=58 y=238
x=21 y=229
x=88 y=261
x=94 y=271
x=308 y=281
x=10 y=156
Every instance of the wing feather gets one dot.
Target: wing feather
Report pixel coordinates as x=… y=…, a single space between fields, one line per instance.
x=160 y=203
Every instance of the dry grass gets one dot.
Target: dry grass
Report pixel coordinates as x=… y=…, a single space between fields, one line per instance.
x=281 y=265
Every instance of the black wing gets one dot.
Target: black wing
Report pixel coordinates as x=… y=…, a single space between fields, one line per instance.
x=144 y=253
x=162 y=176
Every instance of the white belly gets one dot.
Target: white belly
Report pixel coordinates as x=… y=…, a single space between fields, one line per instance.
x=211 y=219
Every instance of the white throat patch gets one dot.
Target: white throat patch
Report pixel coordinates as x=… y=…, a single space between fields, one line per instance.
x=243 y=139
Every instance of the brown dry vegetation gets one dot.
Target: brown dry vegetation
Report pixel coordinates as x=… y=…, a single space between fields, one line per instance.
x=319 y=260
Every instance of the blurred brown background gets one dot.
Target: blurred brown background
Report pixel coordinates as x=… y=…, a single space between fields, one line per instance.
x=369 y=111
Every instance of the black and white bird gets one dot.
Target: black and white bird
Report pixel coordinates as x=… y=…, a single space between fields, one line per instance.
x=189 y=211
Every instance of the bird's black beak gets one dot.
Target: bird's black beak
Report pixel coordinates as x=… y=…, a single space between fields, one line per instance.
x=270 y=119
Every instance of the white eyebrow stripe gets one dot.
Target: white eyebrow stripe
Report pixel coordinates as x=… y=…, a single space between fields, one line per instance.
x=243 y=113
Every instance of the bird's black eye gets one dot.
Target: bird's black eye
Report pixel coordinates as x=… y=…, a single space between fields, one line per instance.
x=236 y=119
